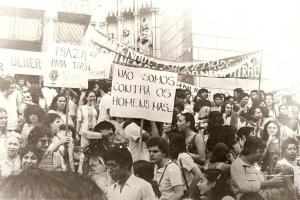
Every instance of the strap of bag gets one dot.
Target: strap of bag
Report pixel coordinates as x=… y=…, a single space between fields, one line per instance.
x=183 y=174
x=163 y=173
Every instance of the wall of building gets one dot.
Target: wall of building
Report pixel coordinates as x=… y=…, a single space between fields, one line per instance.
x=228 y=28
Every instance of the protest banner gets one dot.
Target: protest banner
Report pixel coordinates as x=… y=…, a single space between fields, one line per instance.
x=242 y=66
x=193 y=88
x=143 y=93
x=67 y=66
x=21 y=62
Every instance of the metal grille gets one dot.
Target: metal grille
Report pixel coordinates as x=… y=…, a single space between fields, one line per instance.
x=69 y=32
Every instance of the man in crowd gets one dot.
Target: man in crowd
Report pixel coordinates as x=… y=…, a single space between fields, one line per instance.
x=118 y=161
x=167 y=173
x=245 y=174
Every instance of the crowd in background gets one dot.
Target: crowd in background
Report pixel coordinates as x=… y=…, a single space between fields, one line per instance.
x=243 y=146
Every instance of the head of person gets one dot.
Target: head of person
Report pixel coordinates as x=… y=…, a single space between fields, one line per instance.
x=37 y=184
x=34 y=114
x=3 y=119
x=271 y=129
x=144 y=170
x=244 y=99
x=186 y=122
x=54 y=122
x=215 y=118
x=252 y=196
x=237 y=92
x=158 y=149
x=59 y=103
x=269 y=99
x=90 y=97
x=7 y=86
x=287 y=99
x=27 y=97
x=253 y=149
x=218 y=99
x=178 y=108
x=254 y=95
x=243 y=133
x=13 y=146
x=31 y=156
x=188 y=95
x=262 y=94
x=179 y=95
x=229 y=99
x=256 y=113
x=219 y=153
x=283 y=110
x=108 y=129
x=118 y=161
x=200 y=104
x=40 y=136
x=227 y=108
x=176 y=145
x=213 y=184
x=289 y=148
x=203 y=93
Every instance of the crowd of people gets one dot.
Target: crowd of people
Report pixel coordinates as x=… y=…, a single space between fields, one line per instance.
x=58 y=143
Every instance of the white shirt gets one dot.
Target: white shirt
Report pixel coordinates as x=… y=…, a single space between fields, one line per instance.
x=10 y=105
x=49 y=94
x=188 y=164
x=170 y=179
x=8 y=167
x=105 y=104
x=134 y=189
x=132 y=132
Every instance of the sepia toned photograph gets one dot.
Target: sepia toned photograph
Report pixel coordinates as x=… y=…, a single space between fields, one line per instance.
x=149 y=100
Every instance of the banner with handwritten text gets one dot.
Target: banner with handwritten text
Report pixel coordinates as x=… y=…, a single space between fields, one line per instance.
x=143 y=93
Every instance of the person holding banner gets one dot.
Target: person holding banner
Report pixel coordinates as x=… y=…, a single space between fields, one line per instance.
x=58 y=106
x=87 y=116
x=133 y=133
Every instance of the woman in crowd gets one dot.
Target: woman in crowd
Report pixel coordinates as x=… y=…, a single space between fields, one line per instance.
x=290 y=158
x=87 y=115
x=229 y=116
x=58 y=106
x=33 y=115
x=11 y=164
x=213 y=185
x=26 y=101
x=289 y=126
x=40 y=137
x=270 y=104
x=257 y=119
x=189 y=169
x=31 y=156
x=3 y=131
x=194 y=141
x=188 y=105
x=271 y=136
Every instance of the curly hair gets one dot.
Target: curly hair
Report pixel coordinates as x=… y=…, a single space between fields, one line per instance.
x=265 y=134
x=31 y=148
x=38 y=132
x=286 y=143
x=34 y=110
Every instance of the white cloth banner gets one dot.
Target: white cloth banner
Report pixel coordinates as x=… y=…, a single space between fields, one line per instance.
x=67 y=66
x=143 y=93
x=21 y=62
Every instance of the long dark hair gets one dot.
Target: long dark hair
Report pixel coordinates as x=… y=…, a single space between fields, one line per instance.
x=53 y=105
x=222 y=188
